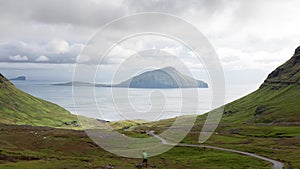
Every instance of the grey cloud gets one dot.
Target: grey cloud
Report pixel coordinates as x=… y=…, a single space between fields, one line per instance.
x=18 y=58
x=74 y=12
x=42 y=58
x=74 y=21
x=268 y=61
x=36 y=52
x=230 y=59
x=97 y=13
x=177 y=7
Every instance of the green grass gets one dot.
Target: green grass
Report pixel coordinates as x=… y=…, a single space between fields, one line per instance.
x=281 y=106
x=274 y=133
x=126 y=124
x=18 y=107
x=280 y=143
x=73 y=149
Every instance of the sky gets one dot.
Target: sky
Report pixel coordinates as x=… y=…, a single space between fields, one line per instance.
x=43 y=39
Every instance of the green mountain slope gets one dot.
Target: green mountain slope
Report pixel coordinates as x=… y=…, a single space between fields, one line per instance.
x=18 y=107
x=277 y=100
x=265 y=122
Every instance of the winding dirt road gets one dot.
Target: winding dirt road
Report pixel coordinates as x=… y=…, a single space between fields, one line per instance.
x=276 y=164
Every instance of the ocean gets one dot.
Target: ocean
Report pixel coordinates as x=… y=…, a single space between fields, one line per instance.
x=125 y=104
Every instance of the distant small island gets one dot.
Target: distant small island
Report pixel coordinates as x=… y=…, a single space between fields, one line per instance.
x=19 y=78
x=167 y=77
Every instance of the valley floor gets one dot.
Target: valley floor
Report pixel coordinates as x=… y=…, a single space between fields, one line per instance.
x=49 y=148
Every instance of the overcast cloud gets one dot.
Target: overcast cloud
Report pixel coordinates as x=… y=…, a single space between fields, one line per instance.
x=254 y=36
x=247 y=26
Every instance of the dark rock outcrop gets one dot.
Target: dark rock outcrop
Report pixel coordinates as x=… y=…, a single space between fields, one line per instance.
x=286 y=74
x=297 y=50
x=260 y=110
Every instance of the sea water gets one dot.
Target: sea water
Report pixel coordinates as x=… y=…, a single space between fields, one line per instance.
x=113 y=104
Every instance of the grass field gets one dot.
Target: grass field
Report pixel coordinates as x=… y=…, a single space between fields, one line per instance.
x=42 y=147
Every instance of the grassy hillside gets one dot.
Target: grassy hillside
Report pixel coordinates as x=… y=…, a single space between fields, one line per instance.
x=18 y=107
x=265 y=122
x=276 y=101
x=266 y=105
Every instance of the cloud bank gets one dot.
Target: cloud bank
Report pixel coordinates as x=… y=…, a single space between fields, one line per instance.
x=246 y=34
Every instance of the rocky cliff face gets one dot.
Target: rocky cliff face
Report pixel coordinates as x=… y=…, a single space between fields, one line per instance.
x=286 y=74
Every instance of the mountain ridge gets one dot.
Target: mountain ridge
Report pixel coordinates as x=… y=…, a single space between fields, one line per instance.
x=275 y=102
x=286 y=74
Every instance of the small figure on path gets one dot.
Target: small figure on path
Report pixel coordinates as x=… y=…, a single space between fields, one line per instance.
x=145 y=159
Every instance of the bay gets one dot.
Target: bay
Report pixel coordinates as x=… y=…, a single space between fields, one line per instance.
x=122 y=103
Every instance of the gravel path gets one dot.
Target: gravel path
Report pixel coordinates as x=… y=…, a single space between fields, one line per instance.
x=276 y=164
